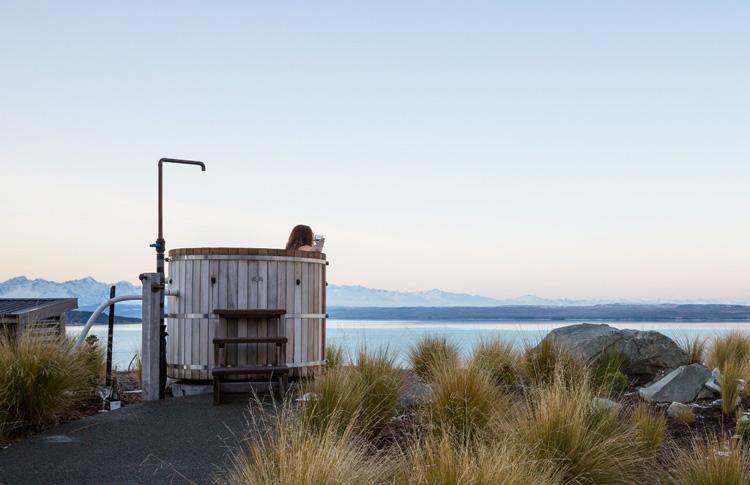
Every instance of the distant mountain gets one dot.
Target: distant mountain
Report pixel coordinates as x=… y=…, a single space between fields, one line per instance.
x=90 y=293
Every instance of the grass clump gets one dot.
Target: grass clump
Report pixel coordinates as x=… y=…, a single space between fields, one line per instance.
x=363 y=396
x=461 y=403
x=334 y=356
x=694 y=347
x=650 y=427
x=732 y=348
x=730 y=387
x=542 y=364
x=92 y=357
x=684 y=415
x=587 y=444
x=438 y=461
x=433 y=353
x=499 y=359
x=383 y=384
x=42 y=378
x=280 y=451
x=711 y=462
x=608 y=375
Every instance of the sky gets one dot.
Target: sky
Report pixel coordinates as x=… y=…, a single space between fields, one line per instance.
x=562 y=149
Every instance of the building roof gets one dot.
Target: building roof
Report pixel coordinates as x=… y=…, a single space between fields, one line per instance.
x=35 y=308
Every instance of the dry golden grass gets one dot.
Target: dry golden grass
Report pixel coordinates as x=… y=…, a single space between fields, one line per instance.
x=730 y=389
x=461 y=403
x=335 y=356
x=711 y=462
x=433 y=352
x=684 y=416
x=650 y=426
x=439 y=461
x=543 y=363
x=499 y=359
x=587 y=444
x=288 y=453
x=694 y=347
x=40 y=379
x=729 y=348
x=363 y=396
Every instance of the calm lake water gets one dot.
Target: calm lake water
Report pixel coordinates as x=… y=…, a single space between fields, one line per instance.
x=398 y=336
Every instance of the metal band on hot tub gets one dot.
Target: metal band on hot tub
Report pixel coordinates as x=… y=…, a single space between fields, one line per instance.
x=225 y=257
x=196 y=316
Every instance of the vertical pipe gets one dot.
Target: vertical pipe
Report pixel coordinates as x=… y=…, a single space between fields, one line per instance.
x=160 y=245
x=110 y=331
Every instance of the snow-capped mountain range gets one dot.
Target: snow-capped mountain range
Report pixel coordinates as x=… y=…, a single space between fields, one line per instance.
x=91 y=293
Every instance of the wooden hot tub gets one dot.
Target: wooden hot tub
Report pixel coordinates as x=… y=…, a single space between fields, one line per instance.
x=207 y=279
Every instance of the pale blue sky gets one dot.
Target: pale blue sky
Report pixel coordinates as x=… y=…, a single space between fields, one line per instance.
x=565 y=149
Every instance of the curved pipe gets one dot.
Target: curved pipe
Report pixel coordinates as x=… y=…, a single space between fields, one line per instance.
x=97 y=312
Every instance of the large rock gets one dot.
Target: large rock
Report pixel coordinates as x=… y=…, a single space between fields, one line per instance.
x=645 y=353
x=681 y=385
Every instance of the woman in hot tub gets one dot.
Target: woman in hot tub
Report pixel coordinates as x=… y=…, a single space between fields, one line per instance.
x=302 y=239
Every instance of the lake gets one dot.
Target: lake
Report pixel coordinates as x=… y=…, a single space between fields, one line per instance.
x=399 y=336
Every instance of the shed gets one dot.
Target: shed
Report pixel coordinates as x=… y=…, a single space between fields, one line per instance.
x=45 y=315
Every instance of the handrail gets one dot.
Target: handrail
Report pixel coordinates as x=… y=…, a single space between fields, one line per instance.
x=97 y=312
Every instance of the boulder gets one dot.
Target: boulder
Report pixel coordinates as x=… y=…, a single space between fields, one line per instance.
x=644 y=352
x=602 y=403
x=676 y=408
x=714 y=382
x=681 y=385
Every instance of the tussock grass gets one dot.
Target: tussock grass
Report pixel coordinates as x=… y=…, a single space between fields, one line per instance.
x=729 y=348
x=431 y=353
x=280 y=451
x=363 y=396
x=41 y=378
x=548 y=361
x=383 y=384
x=587 y=444
x=694 y=347
x=650 y=427
x=684 y=416
x=335 y=356
x=608 y=376
x=461 y=402
x=499 y=359
x=93 y=358
x=438 y=461
x=711 y=462
x=730 y=389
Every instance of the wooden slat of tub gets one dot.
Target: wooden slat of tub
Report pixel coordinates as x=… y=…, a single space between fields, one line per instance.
x=182 y=351
x=262 y=304
x=216 y=329
x=221 y=280
x=289 y=289
x=281 y=303
x=252 y=326
x=323 y=309
x=196 y=323
x=306 y=336
x=232 y=297
x=203 y=308
x=176 y=334
x=273 y=302
x=242 y=299
x=297 y=309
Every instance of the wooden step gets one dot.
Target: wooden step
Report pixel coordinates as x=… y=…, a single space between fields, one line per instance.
x=250 y=369
x=250 y=340
x=249 y=313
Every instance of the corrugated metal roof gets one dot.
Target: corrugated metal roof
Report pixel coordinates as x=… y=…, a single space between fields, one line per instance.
x=19 y=306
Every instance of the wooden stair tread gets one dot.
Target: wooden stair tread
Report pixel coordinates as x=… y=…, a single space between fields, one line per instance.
x=250 y=340
x=250 y=369
x=249 y=313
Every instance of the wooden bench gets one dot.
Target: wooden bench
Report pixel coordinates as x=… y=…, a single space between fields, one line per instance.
x=222 y=369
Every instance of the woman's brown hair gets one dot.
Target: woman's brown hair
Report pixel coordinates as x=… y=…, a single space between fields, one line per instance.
x=301 y=236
